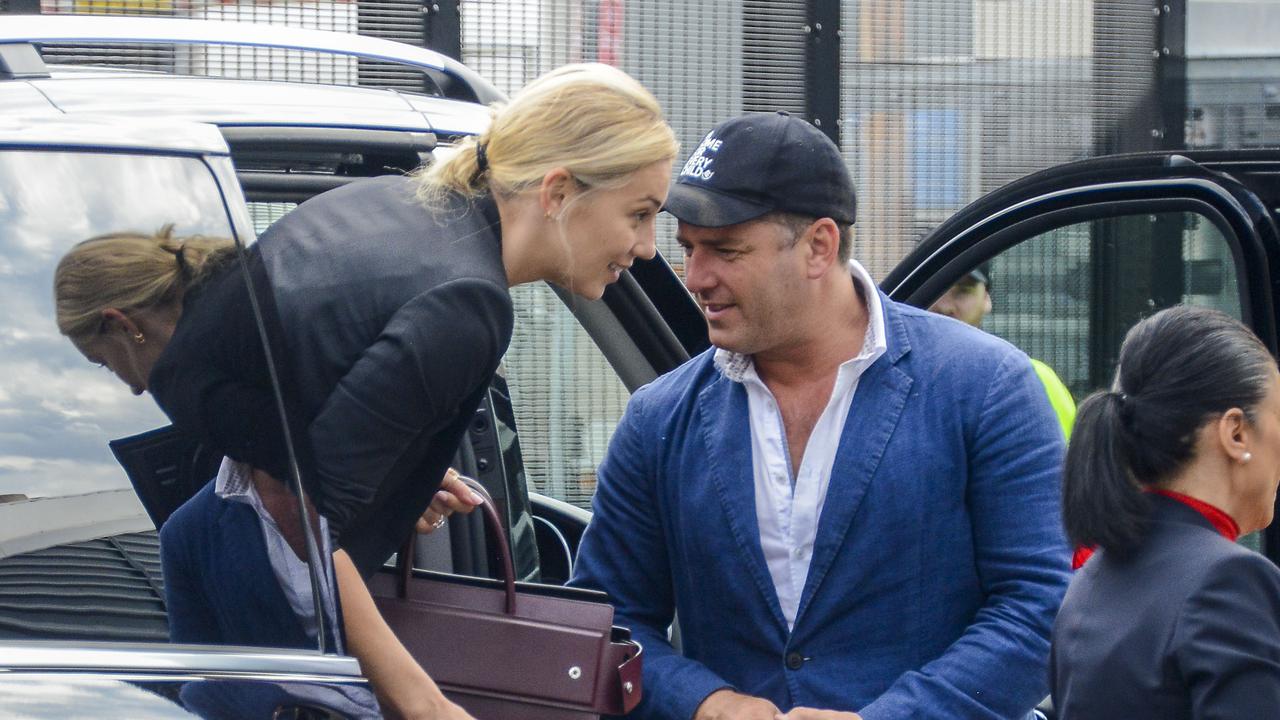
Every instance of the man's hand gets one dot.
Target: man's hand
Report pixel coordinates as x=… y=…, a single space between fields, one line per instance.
x=729 y=705
x=811 y=714
x=453 y=497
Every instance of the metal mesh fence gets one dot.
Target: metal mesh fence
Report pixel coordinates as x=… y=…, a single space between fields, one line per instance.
x=945 y=100
x=691 y=55
x=399 y=20
x=941 y=101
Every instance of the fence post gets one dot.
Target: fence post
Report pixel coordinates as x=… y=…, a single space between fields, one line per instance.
x=822 y=67
x=20 y=7
x=1171 y=73
x=442 y=26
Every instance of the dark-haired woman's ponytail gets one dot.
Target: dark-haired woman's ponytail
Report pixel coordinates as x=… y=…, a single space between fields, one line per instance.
x=1102 y=503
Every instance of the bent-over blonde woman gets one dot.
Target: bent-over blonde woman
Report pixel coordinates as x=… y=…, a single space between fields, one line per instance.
x=387 y=303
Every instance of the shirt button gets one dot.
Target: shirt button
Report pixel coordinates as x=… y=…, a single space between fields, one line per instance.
x=797 y=551
x=794 y=660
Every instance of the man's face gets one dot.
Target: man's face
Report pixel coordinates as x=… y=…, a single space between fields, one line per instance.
x=966 y=301
x=748 y=279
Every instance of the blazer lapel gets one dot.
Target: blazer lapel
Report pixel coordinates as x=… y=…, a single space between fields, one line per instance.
x=726 y=434
x=877 y=406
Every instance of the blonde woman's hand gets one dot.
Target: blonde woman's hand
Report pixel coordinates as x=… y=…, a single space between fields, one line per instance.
x=453 y=497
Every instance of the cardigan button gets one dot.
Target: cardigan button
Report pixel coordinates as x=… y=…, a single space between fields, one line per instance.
x=794 y=660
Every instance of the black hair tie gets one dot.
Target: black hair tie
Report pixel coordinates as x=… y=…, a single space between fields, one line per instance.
x=1127 y=403
x=482 y=162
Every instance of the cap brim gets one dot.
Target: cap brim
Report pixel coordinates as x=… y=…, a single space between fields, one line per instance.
x=708 y=208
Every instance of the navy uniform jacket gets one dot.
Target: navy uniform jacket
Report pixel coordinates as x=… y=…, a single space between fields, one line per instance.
x=387 y=320
x=939 y=560
x=1186 y=627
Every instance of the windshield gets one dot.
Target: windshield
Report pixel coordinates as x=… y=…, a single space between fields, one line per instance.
x=58 y=411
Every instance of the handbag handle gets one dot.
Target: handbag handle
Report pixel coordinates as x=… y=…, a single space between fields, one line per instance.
x=497 y=534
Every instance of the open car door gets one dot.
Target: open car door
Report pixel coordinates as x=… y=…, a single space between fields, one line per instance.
x=1077 y=254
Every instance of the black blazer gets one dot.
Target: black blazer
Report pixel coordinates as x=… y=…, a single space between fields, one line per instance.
x=1187 y=627
x=388 y=320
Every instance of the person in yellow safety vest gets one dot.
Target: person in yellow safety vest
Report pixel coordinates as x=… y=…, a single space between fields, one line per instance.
x=969 y=301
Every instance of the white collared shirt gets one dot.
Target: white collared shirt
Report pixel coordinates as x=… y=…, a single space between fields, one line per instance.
x=235 y=484
x=788 y=509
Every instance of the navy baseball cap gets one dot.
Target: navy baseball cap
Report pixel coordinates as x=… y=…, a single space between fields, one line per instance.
x=761 y=163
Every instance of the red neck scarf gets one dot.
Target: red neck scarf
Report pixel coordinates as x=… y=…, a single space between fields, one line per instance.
x=1221 y=522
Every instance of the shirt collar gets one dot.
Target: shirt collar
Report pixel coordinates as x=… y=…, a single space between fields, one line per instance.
x=1221 y=521
x=233 y=481
x=739 y=368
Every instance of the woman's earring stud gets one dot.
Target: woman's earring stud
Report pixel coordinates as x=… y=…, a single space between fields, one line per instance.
x=139 y=338
x=1246 y=457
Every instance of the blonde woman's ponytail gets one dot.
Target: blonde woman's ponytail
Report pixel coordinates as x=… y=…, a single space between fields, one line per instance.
x=591 y=119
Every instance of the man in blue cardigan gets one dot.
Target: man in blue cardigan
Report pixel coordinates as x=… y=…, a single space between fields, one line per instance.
x=850 y=504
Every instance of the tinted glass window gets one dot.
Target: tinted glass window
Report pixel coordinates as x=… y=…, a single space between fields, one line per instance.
x=79 y=556
x=1068 y=296
x=567 y=398
x=57 y=411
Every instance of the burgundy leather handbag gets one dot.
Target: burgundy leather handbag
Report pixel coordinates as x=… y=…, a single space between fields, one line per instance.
x=507 y=650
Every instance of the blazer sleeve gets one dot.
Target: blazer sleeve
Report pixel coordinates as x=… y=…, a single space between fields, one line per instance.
x=1227 y=640
x=998 y=667
x=434 y=352
x=624 y=553
x=191 y=618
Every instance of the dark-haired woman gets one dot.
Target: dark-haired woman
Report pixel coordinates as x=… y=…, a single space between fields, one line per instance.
x=1171 y=618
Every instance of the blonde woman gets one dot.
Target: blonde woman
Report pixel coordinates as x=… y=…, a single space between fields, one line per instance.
x=389 y=301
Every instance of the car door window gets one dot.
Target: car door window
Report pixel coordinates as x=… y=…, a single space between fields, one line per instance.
x=60 y=410
x=567 y=398
x=79 y=554
x=264 y=213
x=1067 y=296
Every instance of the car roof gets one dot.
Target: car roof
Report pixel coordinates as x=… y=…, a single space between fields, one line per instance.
x=117 y=29
x=244 y=102
x=228 y=101
x=112 y=133
x=232 y=102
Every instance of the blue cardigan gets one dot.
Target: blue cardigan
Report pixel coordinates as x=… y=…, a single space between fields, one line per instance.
x=218 y=584
x=939 y=560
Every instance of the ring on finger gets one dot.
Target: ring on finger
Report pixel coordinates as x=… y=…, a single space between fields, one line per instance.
x=439 y=523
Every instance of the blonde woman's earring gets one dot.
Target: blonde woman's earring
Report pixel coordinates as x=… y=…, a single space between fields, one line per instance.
x=1246 y=457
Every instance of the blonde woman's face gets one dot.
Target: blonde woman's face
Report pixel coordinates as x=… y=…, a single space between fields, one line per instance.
x=608 y=229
